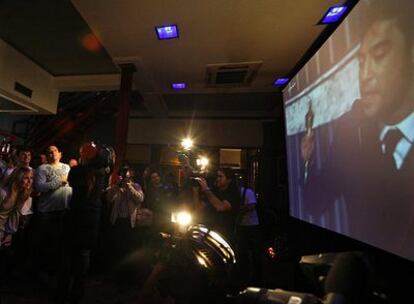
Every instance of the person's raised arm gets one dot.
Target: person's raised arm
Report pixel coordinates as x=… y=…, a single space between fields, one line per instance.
x=219 y=205
x=136 y=192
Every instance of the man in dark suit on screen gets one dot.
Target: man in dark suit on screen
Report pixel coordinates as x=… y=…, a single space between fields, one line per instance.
x=371 y=158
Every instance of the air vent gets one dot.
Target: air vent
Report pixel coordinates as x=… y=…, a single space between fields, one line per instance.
x=231 y=74
x=18 y=87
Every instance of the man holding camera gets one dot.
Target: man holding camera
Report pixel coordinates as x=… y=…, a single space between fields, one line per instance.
x=222 y=202
x=124 y=199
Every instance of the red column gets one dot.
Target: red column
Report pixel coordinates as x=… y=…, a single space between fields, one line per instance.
x=127 y=73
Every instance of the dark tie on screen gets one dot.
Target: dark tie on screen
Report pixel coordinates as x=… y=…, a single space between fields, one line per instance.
x=390 y=141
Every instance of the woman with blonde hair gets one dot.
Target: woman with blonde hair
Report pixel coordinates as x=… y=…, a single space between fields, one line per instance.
x=13 y=196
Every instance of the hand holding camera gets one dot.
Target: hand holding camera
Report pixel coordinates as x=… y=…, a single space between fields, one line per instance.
x=124 y=183
x=202 y=183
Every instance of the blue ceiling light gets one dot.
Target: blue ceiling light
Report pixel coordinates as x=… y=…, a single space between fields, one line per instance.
x=281 y=81
x=167 y=31
x=334 y=14
x=179 y=85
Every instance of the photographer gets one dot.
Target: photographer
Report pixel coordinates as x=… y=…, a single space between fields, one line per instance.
x=222 y=202
x=160 y=201
x=124 y=199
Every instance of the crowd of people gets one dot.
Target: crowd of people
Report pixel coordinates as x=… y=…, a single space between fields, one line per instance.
x=56 y=218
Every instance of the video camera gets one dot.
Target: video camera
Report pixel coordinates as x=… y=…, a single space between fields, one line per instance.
x=99 y=155
x=198 y=266
x=193 y=162
x=124 y=177
x=106 y=156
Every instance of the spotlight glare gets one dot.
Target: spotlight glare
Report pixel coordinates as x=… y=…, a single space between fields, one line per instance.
x=182 y=218
x=187 y=143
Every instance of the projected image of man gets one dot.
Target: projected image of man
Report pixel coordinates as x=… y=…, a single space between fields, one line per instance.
x=370 y=163
x=386 y=86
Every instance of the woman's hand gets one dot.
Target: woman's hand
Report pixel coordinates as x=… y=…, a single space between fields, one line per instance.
x=15 y=189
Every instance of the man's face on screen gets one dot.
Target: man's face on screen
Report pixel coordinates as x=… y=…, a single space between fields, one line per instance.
x=384 y=64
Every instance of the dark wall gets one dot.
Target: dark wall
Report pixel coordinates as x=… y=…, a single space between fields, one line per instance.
x=273 y=192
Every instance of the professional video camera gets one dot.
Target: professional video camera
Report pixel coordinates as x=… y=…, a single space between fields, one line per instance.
x=196 y=266
x=99 y=155
x=192 y=160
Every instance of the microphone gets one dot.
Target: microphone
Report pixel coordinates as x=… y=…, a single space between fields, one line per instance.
x=348 y=280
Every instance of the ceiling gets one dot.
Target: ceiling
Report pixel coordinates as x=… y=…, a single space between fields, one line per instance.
x=269 y=37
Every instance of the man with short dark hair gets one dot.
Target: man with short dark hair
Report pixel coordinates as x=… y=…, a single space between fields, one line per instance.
x=372 y=160
x=52 y=205
x=24 y=157
x=21 y=158
x=51 y=182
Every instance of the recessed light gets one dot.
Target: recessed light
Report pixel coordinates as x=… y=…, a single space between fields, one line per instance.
x=333 y=14
x=179 y=85
x=167 y=31
x=280 y=81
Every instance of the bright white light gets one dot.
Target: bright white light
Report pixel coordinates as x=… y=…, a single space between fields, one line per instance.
x=187 y=143
x=182 y=218
x=202 y=162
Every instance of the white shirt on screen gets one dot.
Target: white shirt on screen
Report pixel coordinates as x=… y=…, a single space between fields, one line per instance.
x=404 y=145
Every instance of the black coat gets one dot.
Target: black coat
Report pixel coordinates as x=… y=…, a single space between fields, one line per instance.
x=379 y=200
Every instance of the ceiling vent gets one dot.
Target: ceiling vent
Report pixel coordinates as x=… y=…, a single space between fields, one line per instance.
x=24 y=86
x=231 y=74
